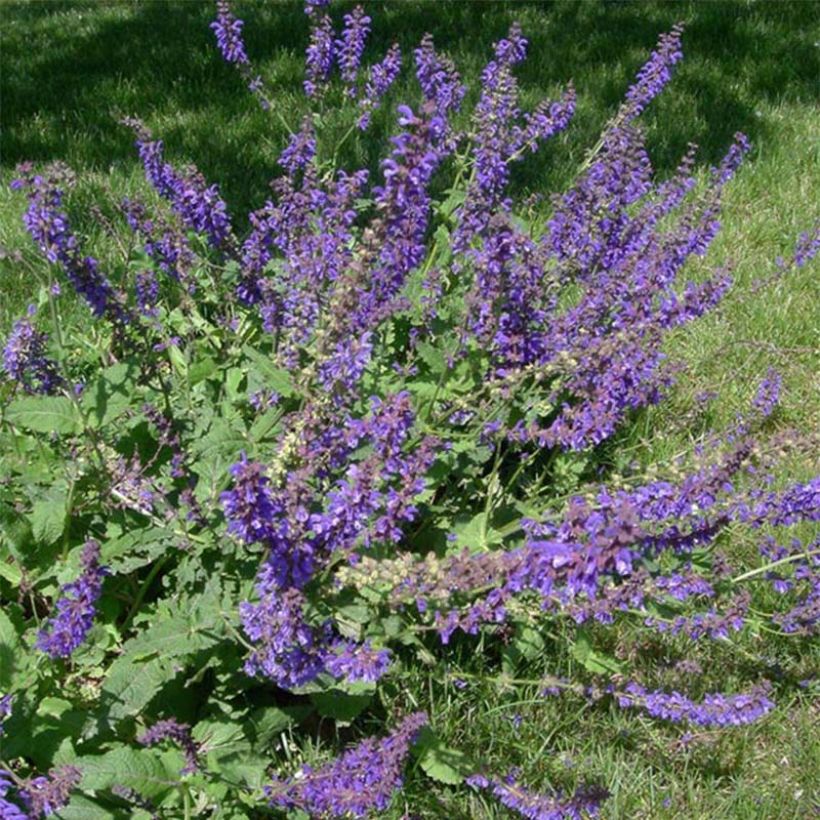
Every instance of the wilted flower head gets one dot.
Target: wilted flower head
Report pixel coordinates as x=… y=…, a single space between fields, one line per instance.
x=47 y=794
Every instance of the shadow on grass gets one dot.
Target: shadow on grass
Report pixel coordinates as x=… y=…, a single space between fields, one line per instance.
x=69 y=67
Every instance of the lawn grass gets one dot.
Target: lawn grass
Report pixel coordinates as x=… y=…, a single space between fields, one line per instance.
x=70 y=69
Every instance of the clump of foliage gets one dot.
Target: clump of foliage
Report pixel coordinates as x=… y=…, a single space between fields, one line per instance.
x=284 y=466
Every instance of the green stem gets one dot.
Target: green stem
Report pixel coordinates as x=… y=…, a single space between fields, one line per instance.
x=186 y=801
x=752 y=573
x=143 y=590
x=67 y=520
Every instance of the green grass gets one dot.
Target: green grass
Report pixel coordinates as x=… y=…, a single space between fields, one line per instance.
x=69 y=69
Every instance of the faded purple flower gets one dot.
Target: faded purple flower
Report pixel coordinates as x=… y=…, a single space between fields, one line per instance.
x=47 y=794
x=178 y=733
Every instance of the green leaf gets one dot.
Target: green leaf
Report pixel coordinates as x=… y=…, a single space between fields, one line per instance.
x=273 y=377
x=268 y=721
x=131 y=684
x=11 y=572
x=16 y=531
x=138 y=769
x=526 y=645
x=593 y=661
x=111 y=393
x=432 y=357
x=265 y=424
x=44 y=414
x=9 y=651
x=475 y=533
x=135 y=549
x=48 y=517
x=169 y=638
x=201 y=369
x=343 y=707
x=81 y=807
x=440 y=762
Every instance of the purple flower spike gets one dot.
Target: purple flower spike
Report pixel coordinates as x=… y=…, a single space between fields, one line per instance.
x=228 y=30
x=768 y=394
x=584 y=803
x=356 y=663
x=350 y=46
x=714 y=710
x=359 y=782
x=48 y=225
x=76 y=607
x=25 y=361
x=654 y=74
x=5 y=709
x=249 y=507
x=198 y=204
x=807 y=247
x=8 y=810
x=319 y=56
x=438 y=78
x=382 y=76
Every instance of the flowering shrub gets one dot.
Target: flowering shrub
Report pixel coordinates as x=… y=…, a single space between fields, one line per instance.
x=287 y=463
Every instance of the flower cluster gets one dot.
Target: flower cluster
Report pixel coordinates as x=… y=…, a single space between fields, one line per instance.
x=377 y=432
x=48 y=224
x=198 y=205
x=361 y=781
x=25 y=360
x=713 y=710
x=584 y=803
x=47 y=794
x=228 y=30
x=76 y=607
x=9 y=810
x=350 y=46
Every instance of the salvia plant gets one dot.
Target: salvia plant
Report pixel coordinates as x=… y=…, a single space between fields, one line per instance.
x=289 y=462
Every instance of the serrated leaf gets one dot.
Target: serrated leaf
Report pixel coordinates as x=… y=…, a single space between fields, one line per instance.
x=265 y=424
x=44 y=414
x=135 y=549
x=221 y=439
x=16 y=531
x=81 y=807
x=432 y=357
x=137 y=769
x=526 y=645
x=475 y=533
x=130 y=684
x=48 y=517
x=169 y=638
x=201 y=369
x=440 y=762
